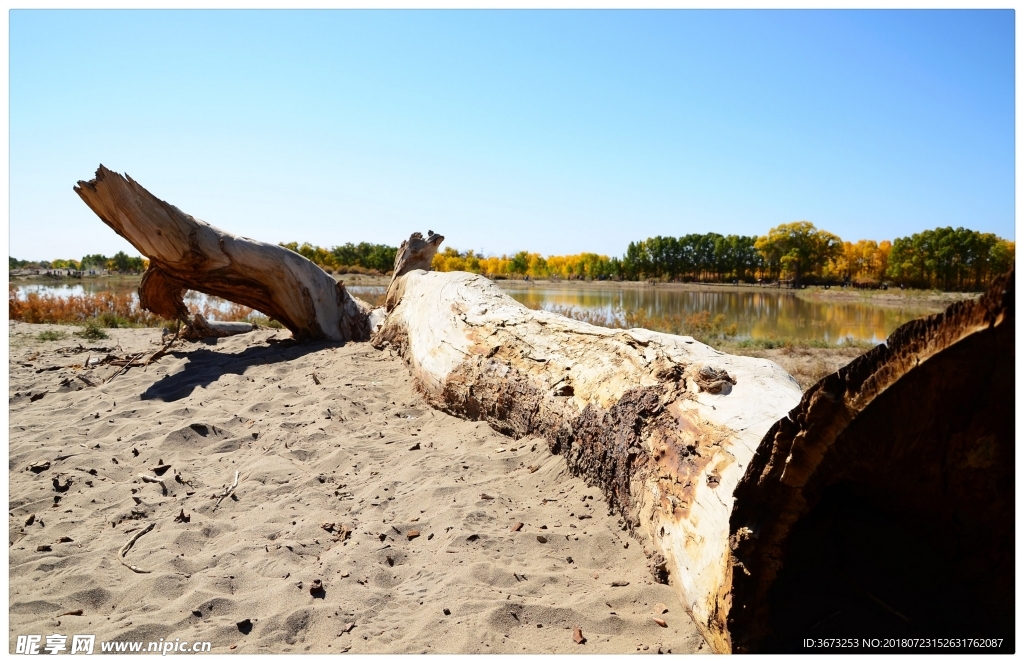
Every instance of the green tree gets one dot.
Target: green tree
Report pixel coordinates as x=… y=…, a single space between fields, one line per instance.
x=94 y=261
x=520 y=263
x=799 y=248
x=122 y=262
x=950 y=259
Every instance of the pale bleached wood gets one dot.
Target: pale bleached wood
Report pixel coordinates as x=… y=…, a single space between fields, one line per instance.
x=414 y=253
x=186 y=253
x=664 y=424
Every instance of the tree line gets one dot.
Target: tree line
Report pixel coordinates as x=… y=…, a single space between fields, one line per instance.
x=949 y=259
x=798 y=252
x=357 y=258
x=119 y=262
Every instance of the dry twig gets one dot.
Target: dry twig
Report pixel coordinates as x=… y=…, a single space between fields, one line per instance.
x=227 y=491
x=128 y=546
x=148 y=479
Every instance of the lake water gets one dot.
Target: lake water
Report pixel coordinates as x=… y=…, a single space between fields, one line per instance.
x=768 y=313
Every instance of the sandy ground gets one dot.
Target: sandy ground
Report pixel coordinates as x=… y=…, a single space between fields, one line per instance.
x=404 y=513
x=806 y=365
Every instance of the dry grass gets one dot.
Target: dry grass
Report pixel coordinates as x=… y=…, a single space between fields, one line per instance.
x=806 y=363
x=109 y=309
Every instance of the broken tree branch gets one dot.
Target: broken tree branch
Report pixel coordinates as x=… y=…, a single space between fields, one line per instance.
x=188 y=254
x=128 y=546
x=893 y=479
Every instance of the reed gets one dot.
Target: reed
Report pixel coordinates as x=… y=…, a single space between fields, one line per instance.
x=109 y=309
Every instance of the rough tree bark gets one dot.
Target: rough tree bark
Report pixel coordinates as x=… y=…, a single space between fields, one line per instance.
x=188 y=254
x=663 y=424
x=903 y=458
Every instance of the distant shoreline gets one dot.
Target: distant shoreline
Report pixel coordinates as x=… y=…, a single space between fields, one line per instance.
x=925 y=300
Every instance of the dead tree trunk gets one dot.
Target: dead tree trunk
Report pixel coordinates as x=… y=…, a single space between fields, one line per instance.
x=664 y=424
x=188 y=254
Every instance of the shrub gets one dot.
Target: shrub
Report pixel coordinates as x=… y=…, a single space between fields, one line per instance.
x=51 y=335
x=92 y=331
x=261 y=320
x=110 y=309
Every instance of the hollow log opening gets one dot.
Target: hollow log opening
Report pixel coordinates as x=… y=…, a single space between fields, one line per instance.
x=854 y=569
x=883 y=506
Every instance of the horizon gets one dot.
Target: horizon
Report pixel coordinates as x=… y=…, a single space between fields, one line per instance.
x=556 y=132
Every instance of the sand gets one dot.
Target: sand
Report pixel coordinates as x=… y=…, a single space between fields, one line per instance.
x=353 y=449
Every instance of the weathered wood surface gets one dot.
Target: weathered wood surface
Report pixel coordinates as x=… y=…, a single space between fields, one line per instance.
x=414 y=253
x=884 y=503
x=664 y=424
x=186 y=253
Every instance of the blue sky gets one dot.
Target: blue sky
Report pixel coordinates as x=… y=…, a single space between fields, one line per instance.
x=551 y=131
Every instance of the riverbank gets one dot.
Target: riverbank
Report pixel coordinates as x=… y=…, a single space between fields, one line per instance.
x=788 y=338
x=807 y=364
x=930 y=300
x=415 y=541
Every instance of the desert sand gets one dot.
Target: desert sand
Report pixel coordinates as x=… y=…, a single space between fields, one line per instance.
x=405 y=514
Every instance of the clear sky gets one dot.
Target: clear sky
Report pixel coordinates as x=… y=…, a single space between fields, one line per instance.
x=550 y=131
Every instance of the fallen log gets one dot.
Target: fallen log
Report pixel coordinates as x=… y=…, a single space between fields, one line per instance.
x=665 y=425
x=186 y=253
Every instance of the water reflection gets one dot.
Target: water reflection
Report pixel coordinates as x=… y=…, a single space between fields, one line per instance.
x=756 y=313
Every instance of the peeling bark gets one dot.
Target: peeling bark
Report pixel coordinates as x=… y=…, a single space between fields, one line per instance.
x=188 y=254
